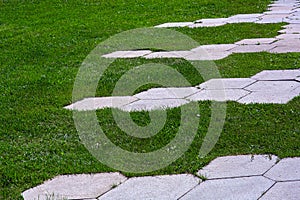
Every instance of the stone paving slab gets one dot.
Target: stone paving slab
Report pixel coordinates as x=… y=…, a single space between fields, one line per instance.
x=149 y=105
x=287 y=169
x=270 y=97
x=226 y=83
x=81 y=186
x=252 y=48
x=157 y=187
x=256 y=41
x=288 y=36
x=285 y=49
x=100 y=103
x=283 y=190
x=167 y=93
x=207 y=56
x=274 y=75
x=174 y=24
x=170 y=54
x=274 y=86
x=212 y=48
x=219 y=95
x=238 y=166
x=127 y=54
x=230 y=189
x=198 y=25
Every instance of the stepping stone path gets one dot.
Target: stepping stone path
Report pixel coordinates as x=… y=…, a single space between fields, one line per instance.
x=231 y=177
x=269 y=86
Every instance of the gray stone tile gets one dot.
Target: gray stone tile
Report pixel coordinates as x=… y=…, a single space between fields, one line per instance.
x=207 y=56
x=238 y=166
x=286 y=170
x=288 y=36
x=219 y=95
x=252 y=48
x=242 y=20
x=148 y=105
x=288 y=43
x=226 y=83
x=199 y=25
x=273 y=75
x=271 y=19
x=278 y=12
x=285 y=49
x=157 y=187
x=276 y=97
x=283 y=190
x=211 y=20
x=274 y=86
x=127 y=54
x=246 y=16
x=290 y=31
x=256 y=41
x=213 y=48
x=248 y=188
x=283 y=7
x=100 y=103
x=291 y=21
x=81 y=186
x=174 y=24
x=167 y=93
x=169 y=54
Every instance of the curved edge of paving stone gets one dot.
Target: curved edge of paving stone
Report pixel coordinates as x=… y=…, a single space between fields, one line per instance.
x=153 y=187
x=238 y=166
x=82 y=186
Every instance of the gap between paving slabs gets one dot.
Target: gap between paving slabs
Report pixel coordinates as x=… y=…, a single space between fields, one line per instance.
x=229 y=177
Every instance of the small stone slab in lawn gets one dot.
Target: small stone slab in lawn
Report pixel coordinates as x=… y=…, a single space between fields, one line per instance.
x=156 y=187
x=277 y=86
x=256 y=41
x=252 y=48
x=127 y=54
x=274 y=97
x=174 y=24
x=229 y=189
x=285 y=49
x=286 y=170
x=169 y=54
x=238 y=166
x=273 y=75
x=283 y=190
x=228 y=83
x=81 y=186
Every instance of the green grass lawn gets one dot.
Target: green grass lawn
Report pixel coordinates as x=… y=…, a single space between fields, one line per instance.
x=43 y=44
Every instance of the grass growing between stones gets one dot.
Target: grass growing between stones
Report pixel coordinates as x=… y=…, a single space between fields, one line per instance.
x=42 y=46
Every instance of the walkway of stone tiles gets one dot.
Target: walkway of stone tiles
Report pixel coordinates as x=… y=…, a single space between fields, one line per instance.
x=232 y=177
x=280 y=11
x=269 y=86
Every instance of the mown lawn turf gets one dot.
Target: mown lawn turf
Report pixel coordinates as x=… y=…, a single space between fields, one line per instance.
x=42 y=45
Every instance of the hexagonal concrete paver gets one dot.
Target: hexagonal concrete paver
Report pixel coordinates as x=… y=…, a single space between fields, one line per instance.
x=228 y=189
x=81 y=186
x=156 y=104
x=127 y=54
x=273 y=86
x=287 y=169
x=218 y=95
x=238 y=166
x=167 y=93
x=101 y=102
x=273 y=75
x=283 y=190
x=228 y=83
x=157 y=187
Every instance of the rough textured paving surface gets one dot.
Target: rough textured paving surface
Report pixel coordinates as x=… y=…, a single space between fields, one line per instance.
x=230 y=177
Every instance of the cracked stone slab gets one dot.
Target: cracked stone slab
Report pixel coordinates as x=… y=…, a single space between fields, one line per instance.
x=274 y=86
x=157 y=104
x=208 y=56
x=228 y=189
x=174 y=24
x=226 y=83
x=170 y=54
x=127 y=54
x=219 y=95
x=262 y=97
x=286 y=170
x=101 y=102
x=284 y=190
x=238 y=166
x=252 y=48
x=256 y=41
x=273 y=75
x=83 y=186
x=157 y=187
x=167 y=93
